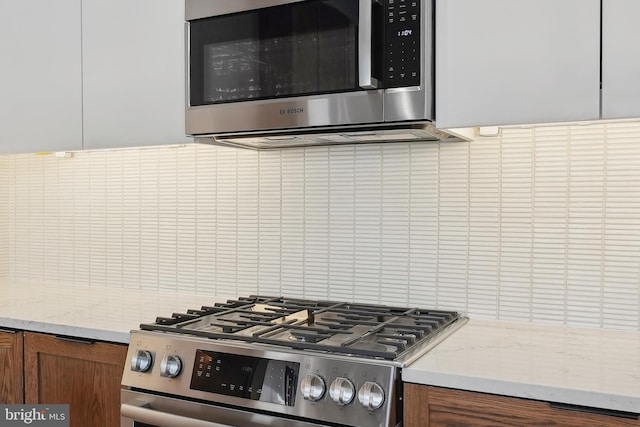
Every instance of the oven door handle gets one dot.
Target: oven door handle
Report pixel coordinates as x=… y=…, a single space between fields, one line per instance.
x=151 y=416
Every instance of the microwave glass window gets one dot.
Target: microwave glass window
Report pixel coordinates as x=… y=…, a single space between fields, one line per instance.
x=295 y=49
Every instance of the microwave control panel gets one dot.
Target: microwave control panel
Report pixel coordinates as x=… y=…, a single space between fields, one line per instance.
x=402 y=62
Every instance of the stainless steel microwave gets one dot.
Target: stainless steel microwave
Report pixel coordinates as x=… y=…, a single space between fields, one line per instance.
x=275 y=73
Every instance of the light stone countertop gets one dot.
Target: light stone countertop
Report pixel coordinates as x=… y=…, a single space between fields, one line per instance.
x=100 y=313
x=590 y=367
x=580 y=366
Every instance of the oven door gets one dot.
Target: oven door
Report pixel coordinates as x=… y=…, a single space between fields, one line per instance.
x=259 y=65
x=146 y=410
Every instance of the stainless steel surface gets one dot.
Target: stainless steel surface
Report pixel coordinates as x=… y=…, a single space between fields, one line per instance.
x=150 y=416
x=313 y=387
x=417 y=102
x=365 y=35
x=171 y=412
x=141 y=361
x=319 y=362
x=196 y=9
x=342 y=391
x=371 y=395
x=389 y=115
x=270 y=140
x=325 y=366
x=287 y=114
x=171 y=366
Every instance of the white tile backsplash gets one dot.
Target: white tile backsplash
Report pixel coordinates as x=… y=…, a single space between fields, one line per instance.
x=4 y=217
x=537 y=225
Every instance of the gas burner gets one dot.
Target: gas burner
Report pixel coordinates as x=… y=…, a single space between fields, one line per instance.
x=371 y=347
x=306 y=337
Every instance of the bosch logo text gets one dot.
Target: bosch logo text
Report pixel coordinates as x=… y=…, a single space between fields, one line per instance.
x=293 y=110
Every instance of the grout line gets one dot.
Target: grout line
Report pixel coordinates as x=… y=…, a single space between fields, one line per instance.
x=468 y=222
x=567 y=222
x=499 y=246
x=603 y=239
x=532 y=222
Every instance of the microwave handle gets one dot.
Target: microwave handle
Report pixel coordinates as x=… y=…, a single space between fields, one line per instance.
x=365 y=50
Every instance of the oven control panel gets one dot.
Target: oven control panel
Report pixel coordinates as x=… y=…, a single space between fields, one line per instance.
x=333 y=388
x=247 y=377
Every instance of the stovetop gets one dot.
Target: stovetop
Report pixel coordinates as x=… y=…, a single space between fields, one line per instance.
x=326 y=362
x=369 y=331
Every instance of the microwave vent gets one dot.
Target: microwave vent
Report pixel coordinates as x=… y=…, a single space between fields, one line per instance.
x=270 y=141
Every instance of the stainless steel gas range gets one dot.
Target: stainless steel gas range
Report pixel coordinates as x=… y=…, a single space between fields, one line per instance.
x=273 y=361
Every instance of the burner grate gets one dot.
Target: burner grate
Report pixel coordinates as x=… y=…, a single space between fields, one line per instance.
x=328 y=326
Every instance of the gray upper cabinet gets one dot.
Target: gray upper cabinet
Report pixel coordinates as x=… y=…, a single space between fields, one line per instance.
x=41 y=84
x=502 y=62
x=133 y=73
x=620 y=59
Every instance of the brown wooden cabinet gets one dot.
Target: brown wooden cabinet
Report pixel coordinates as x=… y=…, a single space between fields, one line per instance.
x=426 y=406
x=11 y=372
x=85 y=375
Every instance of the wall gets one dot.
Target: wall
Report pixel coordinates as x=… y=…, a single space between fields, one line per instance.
x=535 y=225
x=4 y=218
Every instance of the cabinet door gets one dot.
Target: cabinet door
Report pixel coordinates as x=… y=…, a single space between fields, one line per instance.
x=41 y=85
x=133 y=62
x=86 y=376
x=620 y=59
x=11 y=384
x=439 y=407
x=504 y=62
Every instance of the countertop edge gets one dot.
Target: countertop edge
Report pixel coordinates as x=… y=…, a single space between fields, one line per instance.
x=569 y=396
x=66 y=330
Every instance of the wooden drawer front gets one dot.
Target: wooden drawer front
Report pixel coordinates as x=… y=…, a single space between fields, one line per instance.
x=438 y=407
x=11 y=377
x=86 y=376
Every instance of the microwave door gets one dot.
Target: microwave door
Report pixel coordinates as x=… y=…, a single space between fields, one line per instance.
x=291 y=65
x=294 y=49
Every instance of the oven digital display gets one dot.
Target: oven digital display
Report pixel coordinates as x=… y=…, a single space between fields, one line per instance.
x=254 y=378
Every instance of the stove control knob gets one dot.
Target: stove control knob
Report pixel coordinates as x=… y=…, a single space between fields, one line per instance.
x=342 y=391
x=312 y=387
x=170 y=366
x=371 y=396
x=141 y=361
